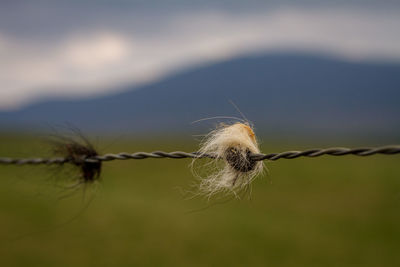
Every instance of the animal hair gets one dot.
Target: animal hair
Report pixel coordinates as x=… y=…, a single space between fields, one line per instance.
x=75 y=150
x=232 y=170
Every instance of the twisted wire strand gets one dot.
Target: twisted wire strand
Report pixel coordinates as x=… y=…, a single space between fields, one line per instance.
x=312 y=153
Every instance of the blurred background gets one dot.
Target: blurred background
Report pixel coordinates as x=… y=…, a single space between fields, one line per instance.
x=134 y=75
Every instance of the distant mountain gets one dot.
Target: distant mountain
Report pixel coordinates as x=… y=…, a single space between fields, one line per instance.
x=288 y=93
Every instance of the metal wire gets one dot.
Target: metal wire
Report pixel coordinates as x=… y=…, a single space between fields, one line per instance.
x=317 y=152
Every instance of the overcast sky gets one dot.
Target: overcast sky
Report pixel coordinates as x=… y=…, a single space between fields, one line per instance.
x=83 y=48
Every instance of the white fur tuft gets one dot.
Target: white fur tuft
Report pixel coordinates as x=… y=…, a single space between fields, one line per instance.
x=227 y=174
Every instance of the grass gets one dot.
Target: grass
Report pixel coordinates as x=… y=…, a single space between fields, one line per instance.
x=328 y=211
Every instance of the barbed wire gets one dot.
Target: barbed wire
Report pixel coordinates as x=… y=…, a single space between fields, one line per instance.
x=312 y=153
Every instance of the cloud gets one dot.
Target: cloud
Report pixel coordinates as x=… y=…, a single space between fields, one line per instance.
x=98 y=58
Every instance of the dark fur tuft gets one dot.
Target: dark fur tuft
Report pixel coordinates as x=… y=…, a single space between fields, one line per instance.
x=76 y=152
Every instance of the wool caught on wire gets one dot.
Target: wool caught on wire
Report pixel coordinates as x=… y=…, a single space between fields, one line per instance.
x=232 y=169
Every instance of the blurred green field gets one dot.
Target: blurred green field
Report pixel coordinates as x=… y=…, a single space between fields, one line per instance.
x=328 y=211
